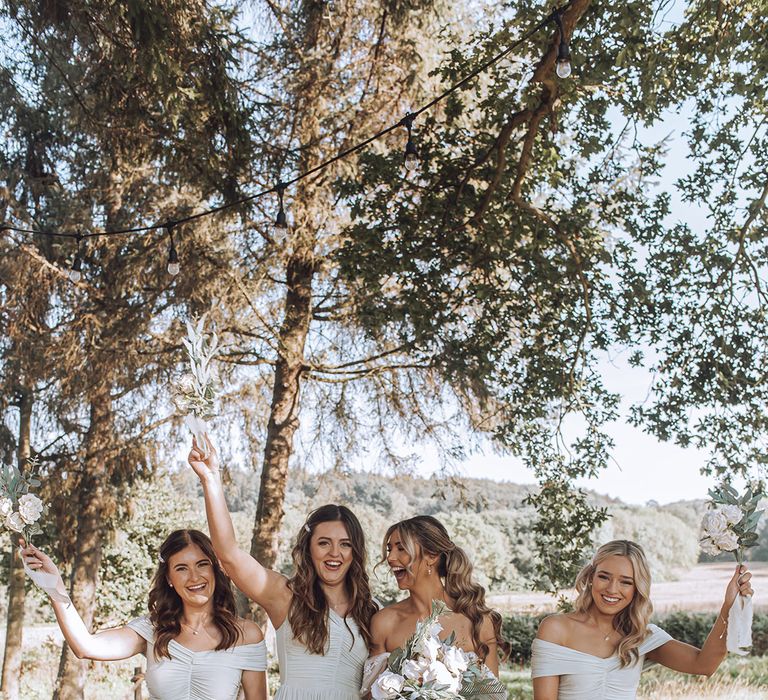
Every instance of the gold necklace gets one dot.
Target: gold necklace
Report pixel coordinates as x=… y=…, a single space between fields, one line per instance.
x=194 y=631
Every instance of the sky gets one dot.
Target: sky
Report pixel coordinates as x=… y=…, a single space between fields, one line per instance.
x=642 y=468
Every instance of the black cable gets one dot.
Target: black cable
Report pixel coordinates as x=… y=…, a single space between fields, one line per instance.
x=553 y=16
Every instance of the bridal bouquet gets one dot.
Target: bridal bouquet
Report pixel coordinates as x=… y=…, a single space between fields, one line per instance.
x=429 y=669
x=195 y=394
x=20 y=510
x=730 y=525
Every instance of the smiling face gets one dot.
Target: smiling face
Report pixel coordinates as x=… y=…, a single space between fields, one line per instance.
x=613 y=584
x=404 y=567
x=331 y=551
x=190 y=572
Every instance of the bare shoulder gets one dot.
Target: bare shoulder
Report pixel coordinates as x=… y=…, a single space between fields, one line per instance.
x=251 y=632
x=555 y=628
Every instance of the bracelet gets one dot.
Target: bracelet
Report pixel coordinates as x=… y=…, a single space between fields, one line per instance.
x=725 y=623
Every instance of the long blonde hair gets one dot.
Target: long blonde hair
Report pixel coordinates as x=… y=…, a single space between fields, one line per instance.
x=455 y=568
x=632 y=622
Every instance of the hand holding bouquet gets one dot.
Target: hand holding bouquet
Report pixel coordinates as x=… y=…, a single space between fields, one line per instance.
x=430 y=669
x=730 y=525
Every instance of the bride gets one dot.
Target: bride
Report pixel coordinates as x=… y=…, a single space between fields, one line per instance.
x=427 y=564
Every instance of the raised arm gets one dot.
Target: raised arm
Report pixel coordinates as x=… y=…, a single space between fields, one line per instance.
x=264 y=586
x=108 y=645
x=688 y=659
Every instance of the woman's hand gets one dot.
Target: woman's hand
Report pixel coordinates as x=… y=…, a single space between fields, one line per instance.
x=205 y=465
x=738 y=585
x=38 y=560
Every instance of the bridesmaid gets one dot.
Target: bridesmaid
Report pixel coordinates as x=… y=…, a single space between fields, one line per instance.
x=322 y=614
x=430 y=566
x=597 y=651
x=196 y=646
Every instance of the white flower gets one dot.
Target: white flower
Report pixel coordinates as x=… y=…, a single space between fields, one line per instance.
x=6 y=507
x=733 y=514
x=438 y=673
x=14 y=522
x=428 y=648
x=388 y=685
x=709 y=547
x=727 y=541
x=413 y=669
x=714 y=523
x=455 y=659
x=30 y=508
x=435 y=629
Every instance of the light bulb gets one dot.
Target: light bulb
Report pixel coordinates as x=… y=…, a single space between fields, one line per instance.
x=281 y=221
x=411 y=156
x=563 y=69
x=75 y=274
x=173 y=262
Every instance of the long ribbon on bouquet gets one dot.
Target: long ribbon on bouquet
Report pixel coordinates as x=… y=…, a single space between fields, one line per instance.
x=739 y=635
x=199 y=429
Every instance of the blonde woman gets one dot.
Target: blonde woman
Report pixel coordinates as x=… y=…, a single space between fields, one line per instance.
x=430 y=566
x=597 y=651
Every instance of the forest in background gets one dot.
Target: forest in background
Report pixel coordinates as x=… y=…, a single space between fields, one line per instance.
x=489 y=519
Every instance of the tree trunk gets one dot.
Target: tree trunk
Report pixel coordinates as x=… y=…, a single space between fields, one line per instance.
x=92 y=506
x=16 y=579
x=300 y=270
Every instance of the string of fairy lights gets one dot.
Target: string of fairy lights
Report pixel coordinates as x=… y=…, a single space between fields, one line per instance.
x=410 y=162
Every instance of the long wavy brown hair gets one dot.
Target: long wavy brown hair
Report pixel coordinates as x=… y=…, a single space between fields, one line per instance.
x=308 y=614
x=632 y=622
x=165 y=606
x=423 y=533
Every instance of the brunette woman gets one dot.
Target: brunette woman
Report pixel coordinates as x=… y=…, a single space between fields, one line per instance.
x=196 y=646
x=321 y=614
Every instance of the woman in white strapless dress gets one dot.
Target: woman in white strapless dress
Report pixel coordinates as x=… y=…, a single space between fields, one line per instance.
x=598 y=651
x=322 y=614
x=196 y=646
x=430 y=566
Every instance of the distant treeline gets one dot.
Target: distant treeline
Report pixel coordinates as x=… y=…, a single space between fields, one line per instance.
x=489 y=519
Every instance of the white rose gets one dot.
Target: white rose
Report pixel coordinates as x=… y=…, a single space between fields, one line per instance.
x=727 y=541
x=438 y=673
x=714 y=523
x=6 y=507
x=428 y=648
x=435 y=629
x=388 y=685
x=413 y=669
x=733 y=514
x=30 y=508
x=14 y=522
x=709 y=547
x=455 y=660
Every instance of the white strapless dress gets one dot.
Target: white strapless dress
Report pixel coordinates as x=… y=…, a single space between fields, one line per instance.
x=587 y=677
x=335 y=675
x=197 y=675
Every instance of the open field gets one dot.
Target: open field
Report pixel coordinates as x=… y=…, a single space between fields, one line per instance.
x=698 y=590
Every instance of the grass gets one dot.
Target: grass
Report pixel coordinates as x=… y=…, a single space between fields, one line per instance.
x=738 y=678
